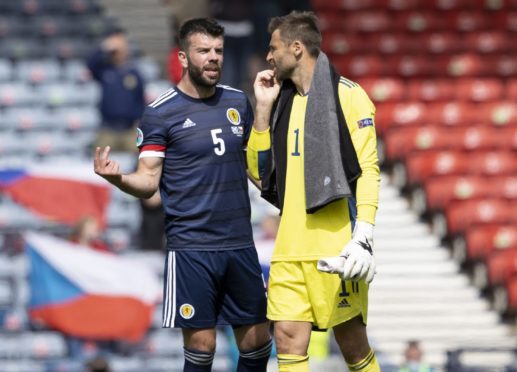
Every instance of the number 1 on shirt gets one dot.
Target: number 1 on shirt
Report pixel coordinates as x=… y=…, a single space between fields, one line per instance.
x=296 y=153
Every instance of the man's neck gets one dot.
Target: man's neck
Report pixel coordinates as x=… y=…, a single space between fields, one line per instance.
x=302 y=76
x=193 y=90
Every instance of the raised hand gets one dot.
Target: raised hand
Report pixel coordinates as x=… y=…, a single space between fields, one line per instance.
x=104 y=166
x=266 y=87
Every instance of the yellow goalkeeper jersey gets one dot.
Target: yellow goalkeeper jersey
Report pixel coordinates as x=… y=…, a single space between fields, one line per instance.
x=302 y=236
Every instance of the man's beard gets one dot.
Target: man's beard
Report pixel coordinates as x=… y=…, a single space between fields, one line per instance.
x=284 y=73
x=196 y=75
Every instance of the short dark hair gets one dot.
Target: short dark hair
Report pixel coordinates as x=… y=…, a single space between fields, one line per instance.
x=301 y=26
x=205 y=26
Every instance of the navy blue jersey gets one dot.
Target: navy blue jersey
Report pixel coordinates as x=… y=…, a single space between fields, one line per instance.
x=204 y=185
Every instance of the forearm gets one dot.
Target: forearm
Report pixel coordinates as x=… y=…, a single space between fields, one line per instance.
x=136 y=184
x=262 y=116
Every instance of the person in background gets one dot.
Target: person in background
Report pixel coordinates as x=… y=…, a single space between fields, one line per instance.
x=87 y=232
x=192 y=140
x=413 y=359
x=319 y=165
x=122 y=92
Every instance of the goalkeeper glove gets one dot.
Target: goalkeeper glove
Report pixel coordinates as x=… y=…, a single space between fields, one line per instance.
x=356 y=261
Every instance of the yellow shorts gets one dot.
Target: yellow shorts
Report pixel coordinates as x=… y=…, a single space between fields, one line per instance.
x=297 y=291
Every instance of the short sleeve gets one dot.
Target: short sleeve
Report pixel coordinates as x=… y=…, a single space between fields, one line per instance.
x=152 y=135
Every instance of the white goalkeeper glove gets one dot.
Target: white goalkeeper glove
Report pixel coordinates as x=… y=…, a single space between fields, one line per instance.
x=356 y=261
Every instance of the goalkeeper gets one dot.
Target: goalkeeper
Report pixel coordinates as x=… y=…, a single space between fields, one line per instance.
x=318 y=164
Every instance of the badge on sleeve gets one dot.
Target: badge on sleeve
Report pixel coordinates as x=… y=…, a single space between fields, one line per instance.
x=363 y=123
x=139 y=137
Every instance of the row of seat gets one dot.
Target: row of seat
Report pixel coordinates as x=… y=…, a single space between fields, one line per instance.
x=435 y=43
x=405 y=143
x=392 y=117
x=474 y=89
x=51 y=25
x=424 y=65
x=353 y=5
x=417 y=21
x=34 y=7
x=41 y=71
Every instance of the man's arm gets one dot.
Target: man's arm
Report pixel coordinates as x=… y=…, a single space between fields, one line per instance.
x=142 y=183
x=266 y=89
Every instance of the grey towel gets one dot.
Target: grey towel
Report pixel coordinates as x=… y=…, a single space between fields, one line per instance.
x=325 y=178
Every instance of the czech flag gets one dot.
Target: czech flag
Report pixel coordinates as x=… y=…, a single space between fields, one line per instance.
x=62 y=192
x=89 y=294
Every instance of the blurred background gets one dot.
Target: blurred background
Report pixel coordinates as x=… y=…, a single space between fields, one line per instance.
x=443 y=76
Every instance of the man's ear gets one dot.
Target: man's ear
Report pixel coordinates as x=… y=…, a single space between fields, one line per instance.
x=182 y=56
x=297 y=48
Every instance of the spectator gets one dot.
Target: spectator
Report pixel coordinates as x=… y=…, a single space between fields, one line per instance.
x=97 y=364
x=87 y=232
x=413 y=356
x=237 y=19
x=122 y=92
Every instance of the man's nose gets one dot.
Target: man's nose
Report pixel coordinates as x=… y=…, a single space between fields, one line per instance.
x=269 y=58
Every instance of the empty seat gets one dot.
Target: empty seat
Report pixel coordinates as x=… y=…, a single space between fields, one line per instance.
x=6 y=70
x=404 y=114
x=69 y=94
x=17 y=94
x=465 y=214
x=385 y=89
x=408 y=66
x=467 y=20
x=149 y=69
x=430 y=90
x=368 y=21
x=418 y=21
x=77 y=118
x=76 y=71
x=68 y=48
x=422 y=166
x=49 y=26
x=21 y=48
x=503 y=113
x=440 y=42
x=359 y=65
x=37 y=72
x=488 y=41
x=12 y=27
x=441 y=191
x=400 y=144
x=502 y=265
x=28 y=119
x=479 y=90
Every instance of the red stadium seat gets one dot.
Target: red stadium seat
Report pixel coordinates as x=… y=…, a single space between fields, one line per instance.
x=511 y=89
x=465 y=21
x=453 y=113
x=400 y=143
x=430 y=90
x=502 y=113
x=419 y=21
x=399 y=114
x=493 y=163
x=502 y=265
x=475 y=138
x=488 y=41
x=359 y=65
x=463 y=214
x=422 y=166
x=368 y=21
x=481 y=240
x=465 y=64
x=384 y=89
x=479 y=90
x=440 y=191
x=440 y=42
x=337 y=43
x=392 y=43
x=408 y=66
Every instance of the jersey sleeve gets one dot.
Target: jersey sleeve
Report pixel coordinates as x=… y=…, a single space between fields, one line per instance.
x=259 y=146
x=248 y=121
x=151 y=135
x=359 y=113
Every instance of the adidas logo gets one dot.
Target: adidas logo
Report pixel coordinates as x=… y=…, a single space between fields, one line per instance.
x=343 y=303
x=188 y=123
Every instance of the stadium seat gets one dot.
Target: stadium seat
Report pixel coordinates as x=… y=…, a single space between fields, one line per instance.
x=467 y=20
x=408 y=66
x=47 y=26
x=37 y=72
x=27 y=119
x=488 y=41
x=440 y=191
x=503 y=113
x=77 y=119
x=464 y=64
x=465 y=214
x=430 y=90
x=384 y=89
x=358 y=66
x=337 y=43
x=480 y=241
x=479 y=90
x=453 y=113
x=440 y=42
x=17 y=94
x=12 y=26
x=424 y=165
x=6 y=70
x=68 y=48
x=493 y=163
x=400 y=144
x=418 y=21
x=502 y=265
x=21 y=48
x=511 y=89
x=76 y=71
x=368 y=21
x=398 y=115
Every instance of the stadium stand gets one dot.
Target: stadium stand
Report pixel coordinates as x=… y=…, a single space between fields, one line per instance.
x=442 y=75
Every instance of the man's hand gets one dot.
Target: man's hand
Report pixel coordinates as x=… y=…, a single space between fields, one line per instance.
x=106 y=168
x=266 y=88
x=356 y=261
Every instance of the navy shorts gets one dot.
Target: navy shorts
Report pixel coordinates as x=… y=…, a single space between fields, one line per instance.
x=203 y=289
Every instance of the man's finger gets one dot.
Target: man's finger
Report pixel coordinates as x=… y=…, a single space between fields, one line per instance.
x=105 y=153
